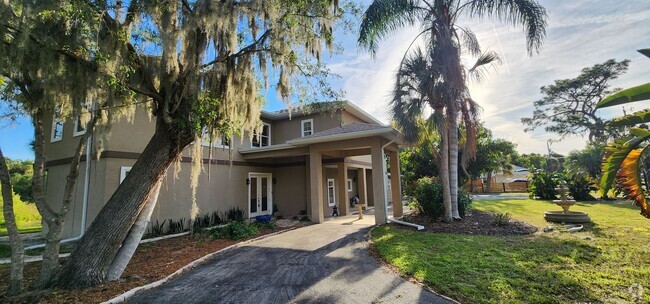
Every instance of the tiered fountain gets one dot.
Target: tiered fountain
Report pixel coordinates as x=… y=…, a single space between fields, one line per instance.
x=565 y=201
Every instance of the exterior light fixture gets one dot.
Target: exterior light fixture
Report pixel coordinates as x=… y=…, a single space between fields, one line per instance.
x=248 y=181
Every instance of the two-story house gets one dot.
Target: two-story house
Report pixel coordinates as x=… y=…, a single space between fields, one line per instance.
x=304 y=163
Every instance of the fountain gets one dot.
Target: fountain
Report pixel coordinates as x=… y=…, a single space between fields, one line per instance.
x=565 y=201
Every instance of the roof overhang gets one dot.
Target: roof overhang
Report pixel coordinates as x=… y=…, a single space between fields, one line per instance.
x=348 y=106
x=387 y=132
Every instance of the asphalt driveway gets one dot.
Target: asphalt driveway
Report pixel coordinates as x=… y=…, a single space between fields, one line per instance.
x=325 y=263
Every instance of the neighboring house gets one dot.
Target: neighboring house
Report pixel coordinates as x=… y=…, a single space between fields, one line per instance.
x=301 y=164
x=518 y=174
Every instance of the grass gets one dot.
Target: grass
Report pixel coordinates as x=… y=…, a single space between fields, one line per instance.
x=27 y=217
x=608 y=262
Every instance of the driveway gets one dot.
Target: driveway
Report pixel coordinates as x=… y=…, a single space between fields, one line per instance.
x=325 y=263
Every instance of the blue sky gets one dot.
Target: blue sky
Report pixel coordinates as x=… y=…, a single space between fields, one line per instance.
x=581 y=33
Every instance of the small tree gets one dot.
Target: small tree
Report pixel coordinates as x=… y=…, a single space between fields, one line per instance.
x=17 y=248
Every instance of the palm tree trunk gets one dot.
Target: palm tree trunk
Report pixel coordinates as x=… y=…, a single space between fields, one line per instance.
x=17 y=248
x=135 y=235
x=444 y=173
x=453 y=160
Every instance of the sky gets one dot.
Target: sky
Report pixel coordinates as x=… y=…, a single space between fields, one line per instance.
x=580 y=33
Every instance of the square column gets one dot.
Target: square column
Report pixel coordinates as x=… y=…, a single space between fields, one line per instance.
x=316 y=187
x=362 y=186
x=395 y=185
x=378 y=182
x=344 y=198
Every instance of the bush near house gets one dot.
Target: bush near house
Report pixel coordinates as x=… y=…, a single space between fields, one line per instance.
x=428 y=198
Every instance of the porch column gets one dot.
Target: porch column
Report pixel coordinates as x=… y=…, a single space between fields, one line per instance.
x=316 y=186
x=378 y=187
x=395 y=185
x=344 y=201
x=363 y=188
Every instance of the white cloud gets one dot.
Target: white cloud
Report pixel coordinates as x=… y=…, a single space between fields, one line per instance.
x=580 y=34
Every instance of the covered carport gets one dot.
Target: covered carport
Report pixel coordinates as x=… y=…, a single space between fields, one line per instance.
x=354 y=146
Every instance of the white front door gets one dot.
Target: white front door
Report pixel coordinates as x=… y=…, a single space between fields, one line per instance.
x=260 y=194
x=331 y=192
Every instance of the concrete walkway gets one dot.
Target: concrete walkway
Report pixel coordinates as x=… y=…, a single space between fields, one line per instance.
x=325 y=263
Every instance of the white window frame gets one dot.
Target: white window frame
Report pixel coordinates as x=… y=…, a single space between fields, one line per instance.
x=331 y=202
x=77 y=120
x=349 y=185
x=205 y=141
x=302 y=127
x=260 y=137
x=55 y=121
x=123 y=172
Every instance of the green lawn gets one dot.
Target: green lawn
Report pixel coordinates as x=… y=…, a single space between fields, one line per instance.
x=27 y=217
x=609 y=262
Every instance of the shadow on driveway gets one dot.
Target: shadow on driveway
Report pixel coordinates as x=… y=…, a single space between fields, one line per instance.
x=325 y=263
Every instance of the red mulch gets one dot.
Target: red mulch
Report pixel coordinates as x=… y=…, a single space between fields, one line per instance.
x=475 y=223
x=151 y=262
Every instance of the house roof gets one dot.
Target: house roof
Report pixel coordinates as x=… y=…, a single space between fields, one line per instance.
x=321 y=107
x=344 y=132
x=348 y=131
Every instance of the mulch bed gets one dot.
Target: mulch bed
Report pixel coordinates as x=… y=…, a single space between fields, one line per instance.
x=475 y=223
x=151 y=262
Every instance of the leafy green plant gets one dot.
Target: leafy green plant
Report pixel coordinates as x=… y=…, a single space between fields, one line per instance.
x=542 y=185
x=580 y=188
x=235 y=214
x=157 y=229
x=235 y=230
x=176 y=226
x=215 y=219
x=271 y=225
x=428 y=198
x=501 y=219
x=623 y=157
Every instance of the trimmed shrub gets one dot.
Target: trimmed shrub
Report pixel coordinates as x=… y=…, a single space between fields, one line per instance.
x=580 y=188
x=236 y=230
x=428 y=198
x=543 y=185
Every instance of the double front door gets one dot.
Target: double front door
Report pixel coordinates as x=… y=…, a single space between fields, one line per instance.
x=260 y=194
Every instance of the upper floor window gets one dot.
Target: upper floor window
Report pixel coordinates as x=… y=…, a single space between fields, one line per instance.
x=79 y=123
x=124 y=171
x=57 y=127
x=307 y=127
x=264 y=139
x=219 y=142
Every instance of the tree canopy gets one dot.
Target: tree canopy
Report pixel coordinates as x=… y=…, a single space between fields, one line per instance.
x=568 y=106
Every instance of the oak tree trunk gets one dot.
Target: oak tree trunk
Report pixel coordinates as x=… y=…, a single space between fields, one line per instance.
x=135 y=235
x=17 y=248
x=489 y=182
x=90 y=261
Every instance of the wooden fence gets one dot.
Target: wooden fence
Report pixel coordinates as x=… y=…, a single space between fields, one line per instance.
x=480 y=187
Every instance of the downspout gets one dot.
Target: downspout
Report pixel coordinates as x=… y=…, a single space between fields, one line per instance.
x=383 y=166
x=383 y=174
x=84 y=206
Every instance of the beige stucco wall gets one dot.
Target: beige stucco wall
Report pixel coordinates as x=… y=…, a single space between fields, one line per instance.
x=285 y=129
x=56 y=176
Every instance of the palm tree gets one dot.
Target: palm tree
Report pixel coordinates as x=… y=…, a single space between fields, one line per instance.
x=445 y=90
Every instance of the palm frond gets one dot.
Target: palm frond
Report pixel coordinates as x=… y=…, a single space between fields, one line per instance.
x=469 y=41
x=633 y=94
x=384 y=17
x=615 y=153
x=631 y=119
x=629 y=180
x=527 y=13
x=480 y=68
